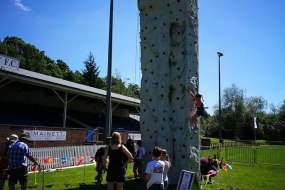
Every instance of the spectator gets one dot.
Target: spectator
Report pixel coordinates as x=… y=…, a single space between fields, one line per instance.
x=210 y=166
x=165 y=158
x=130 y=146
x=154 y=171
x=138 y=160
x=117 y=167
x=4 y=160
x=18 y=169
x=99 y=166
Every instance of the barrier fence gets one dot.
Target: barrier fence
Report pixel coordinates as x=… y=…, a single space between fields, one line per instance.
x=256 y=155
x=59 y=157
x=234 y=144
x=210 y=151
x=246 y=152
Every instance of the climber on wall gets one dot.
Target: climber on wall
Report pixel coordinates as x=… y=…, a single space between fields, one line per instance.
x=199 y=109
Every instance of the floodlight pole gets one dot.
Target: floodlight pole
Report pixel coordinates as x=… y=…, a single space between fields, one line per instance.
x=220 y=54
x=108 y=118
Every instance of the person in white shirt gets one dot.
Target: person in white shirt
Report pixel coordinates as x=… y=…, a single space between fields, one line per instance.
x=154 y=171
x=165 y=157
x=138 y=160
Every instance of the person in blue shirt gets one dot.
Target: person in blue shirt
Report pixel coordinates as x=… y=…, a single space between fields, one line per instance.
x=18 y=153
x=4 y=160
x=138 y=160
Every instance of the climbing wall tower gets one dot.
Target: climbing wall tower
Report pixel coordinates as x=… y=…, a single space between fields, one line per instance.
x=169 y=60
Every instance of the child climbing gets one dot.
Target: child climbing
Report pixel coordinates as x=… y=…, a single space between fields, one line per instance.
x=198 y=110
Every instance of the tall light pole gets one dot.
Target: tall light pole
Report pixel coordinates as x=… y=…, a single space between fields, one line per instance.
x=220 y=54
x=108 y=119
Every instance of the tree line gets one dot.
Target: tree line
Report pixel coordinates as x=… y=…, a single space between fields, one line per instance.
x=237 y=110
x=32 y=59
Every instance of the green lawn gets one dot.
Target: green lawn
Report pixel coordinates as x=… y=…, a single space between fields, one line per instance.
x=262 y=176
x=242 y=176
x=246 y=177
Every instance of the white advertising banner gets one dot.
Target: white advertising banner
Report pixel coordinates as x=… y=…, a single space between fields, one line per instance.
x=39 y=135
x=9 y=62
x=255 y=125
x=135 y=136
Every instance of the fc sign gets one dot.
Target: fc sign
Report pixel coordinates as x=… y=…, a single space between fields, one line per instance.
x=9 y=62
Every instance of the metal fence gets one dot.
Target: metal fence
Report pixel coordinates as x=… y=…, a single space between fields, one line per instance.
x=271 y=156
x=210 y=151
x=58 y=157
x=256 y=155
x=233 y=144
x=240 y=154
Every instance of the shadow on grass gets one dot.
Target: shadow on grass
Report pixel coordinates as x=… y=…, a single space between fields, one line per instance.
x=37 y=186
x=84 y=186
x=129 y=185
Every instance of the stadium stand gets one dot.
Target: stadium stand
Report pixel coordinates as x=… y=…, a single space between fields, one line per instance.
x=32 y=99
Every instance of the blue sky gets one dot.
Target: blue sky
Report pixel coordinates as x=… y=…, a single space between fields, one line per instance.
x=250 y=33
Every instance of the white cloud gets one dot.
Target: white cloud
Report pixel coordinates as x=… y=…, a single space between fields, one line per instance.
x=19 y=4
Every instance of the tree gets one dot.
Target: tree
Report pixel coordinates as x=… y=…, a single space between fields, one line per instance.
x=53 y=70
x=281 y=118
x=35 y=60
x=134 y=90
x=275 y=123
x=91 y=72
x=238 y=112
x=233 y=112
x=76 y=77
x=64 y=68
x=255 y=107
x=30 y=57
x=118 y=84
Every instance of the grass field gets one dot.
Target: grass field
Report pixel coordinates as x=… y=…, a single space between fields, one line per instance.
x=241 y=177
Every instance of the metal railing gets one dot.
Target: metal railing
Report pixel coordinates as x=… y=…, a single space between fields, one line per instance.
x=65 y=156
x=256 y=155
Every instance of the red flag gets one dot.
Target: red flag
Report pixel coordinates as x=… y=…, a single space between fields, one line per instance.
x=46 y=160
x=80 y=160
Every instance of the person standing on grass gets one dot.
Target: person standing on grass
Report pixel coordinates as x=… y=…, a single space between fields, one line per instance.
x=99 y=166
x=117 y=167
x=131 y=148
x=154 y=171
x=165 y=158
x=4 y=160
x=18 y=153
x=138 y=160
